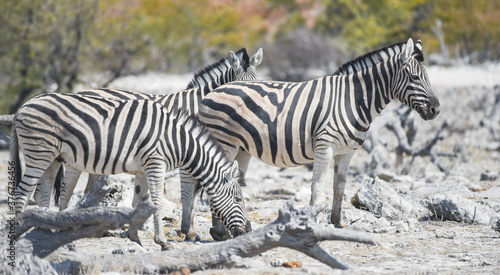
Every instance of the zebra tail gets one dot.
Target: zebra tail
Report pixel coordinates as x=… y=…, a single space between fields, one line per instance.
x=58 y=183
x=14 y=159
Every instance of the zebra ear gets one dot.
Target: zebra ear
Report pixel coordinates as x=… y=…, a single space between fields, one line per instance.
x=419 y=45
x=233 y=60
x=256 y=58
x=408 y=51
x=235 y=170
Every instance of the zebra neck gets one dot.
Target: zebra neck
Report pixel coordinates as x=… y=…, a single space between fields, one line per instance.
x=213 y=77
x=372 y=89
x=206 y=163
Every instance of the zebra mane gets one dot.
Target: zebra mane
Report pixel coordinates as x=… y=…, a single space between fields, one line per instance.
x=206 y=73
x=372 y=58
x=244 y=58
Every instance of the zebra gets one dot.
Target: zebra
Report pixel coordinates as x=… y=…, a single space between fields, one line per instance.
x=287 y=124
x=236 y=66
x=109 y=136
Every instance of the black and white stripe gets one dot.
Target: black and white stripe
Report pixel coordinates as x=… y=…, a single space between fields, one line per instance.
x=236 y=66
x=107 y=136
x=290 y=124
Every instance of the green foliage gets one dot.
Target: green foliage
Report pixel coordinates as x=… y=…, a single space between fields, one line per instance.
x=363 y=25
x=369 y=24
x=47 y=45
x=469 y=26
x=185 y=31
x=40 y=44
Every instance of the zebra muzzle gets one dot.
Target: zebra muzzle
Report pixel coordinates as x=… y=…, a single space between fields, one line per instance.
x=429 y=110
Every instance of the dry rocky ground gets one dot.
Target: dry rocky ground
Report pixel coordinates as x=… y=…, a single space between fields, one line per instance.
x=411 y=238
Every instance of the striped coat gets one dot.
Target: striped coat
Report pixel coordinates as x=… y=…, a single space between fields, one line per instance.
x=107 y=136
x=289 y=124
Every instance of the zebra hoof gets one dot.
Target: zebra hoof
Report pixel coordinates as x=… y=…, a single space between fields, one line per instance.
x=192 y=236
x=108 y=234
x=219 y=235
x=166 y=246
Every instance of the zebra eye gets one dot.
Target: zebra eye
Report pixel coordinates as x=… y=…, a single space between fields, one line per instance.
x=237 y=198
x=414 y=76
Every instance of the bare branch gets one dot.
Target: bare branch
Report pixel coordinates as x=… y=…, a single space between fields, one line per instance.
x=294 y=228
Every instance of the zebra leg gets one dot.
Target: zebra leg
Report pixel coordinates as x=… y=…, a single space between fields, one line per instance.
x=71 y=177
x=342 y=163
x=140 y=190
x=322 y=160
x=218 y=230
x=189 y=191
x=45 y=184
x=155 y=174
x=28 y=183
x=243 y=158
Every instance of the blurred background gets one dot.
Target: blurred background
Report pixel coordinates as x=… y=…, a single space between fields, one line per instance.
x=59 y=46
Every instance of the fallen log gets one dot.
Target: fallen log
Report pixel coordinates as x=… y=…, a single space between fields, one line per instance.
x=84 y=221
x=6 y=119
x=294 y=228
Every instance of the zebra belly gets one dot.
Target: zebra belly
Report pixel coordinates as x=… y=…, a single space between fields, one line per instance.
x=282 y=148
x=126 y=162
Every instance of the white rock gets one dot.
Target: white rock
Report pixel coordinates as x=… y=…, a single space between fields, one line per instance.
x=380 y=199
x=458 y=209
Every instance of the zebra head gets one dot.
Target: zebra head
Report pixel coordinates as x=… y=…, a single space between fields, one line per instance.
x=228 y=204
x=248 y=66
x=413 y=87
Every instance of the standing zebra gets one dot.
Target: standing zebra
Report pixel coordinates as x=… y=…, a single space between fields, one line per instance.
x=108 y=136
x=291 y=124
x=236 y=66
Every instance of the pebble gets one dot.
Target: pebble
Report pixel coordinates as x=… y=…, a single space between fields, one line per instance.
x=445 y=234
x=292 y=264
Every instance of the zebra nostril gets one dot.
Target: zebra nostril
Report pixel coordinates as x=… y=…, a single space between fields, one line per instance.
x=435 y=110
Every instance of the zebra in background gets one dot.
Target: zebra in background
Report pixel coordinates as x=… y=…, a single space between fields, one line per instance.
x=213 y=76
x=236 y=66
x=108 y=136
x=291 y=124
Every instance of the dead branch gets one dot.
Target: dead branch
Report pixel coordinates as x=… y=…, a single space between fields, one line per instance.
x=294 y=228
x=6 y=119
x=85 y=221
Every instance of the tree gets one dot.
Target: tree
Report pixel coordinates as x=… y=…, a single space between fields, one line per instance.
x=41 y=47
x=366 y=25
x=471 y=28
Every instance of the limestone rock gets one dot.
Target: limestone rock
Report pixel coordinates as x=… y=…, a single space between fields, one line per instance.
x=458 y=209
x=382 y=200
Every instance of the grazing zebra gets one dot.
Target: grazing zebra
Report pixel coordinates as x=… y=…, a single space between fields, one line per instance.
x=291 y=124
x=236 y=66
x=108 y=136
